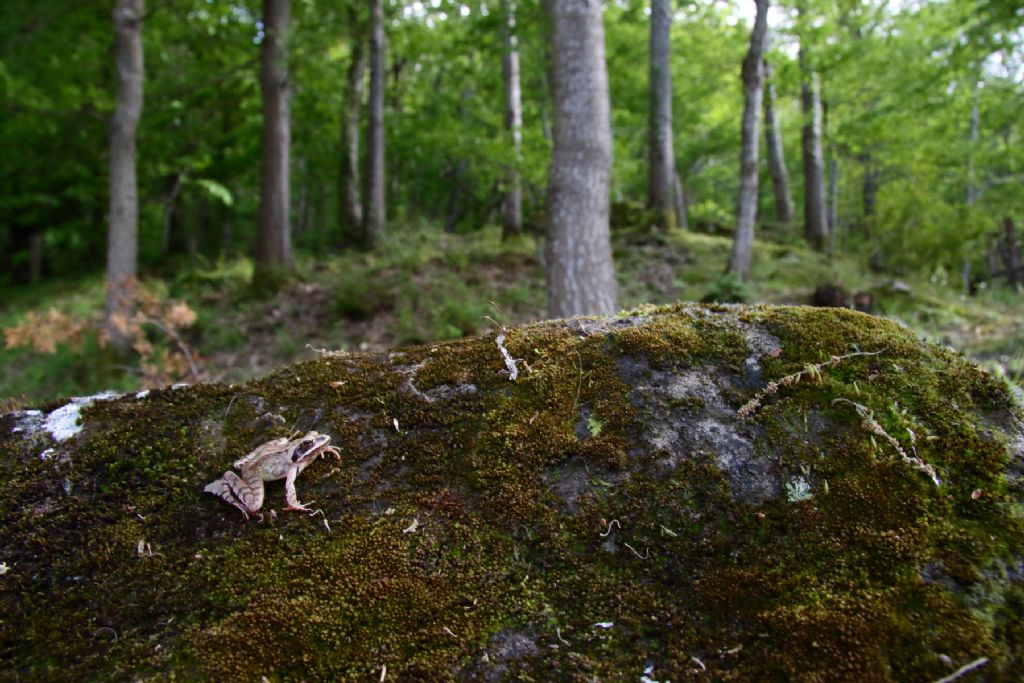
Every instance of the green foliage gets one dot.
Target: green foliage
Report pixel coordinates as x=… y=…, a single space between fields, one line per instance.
x=728 y=289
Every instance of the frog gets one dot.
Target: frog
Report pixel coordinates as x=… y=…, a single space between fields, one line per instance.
x=283 y=458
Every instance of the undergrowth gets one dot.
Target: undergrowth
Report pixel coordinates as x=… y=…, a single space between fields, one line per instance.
x=423 y=285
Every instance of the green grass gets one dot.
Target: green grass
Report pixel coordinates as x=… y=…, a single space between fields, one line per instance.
x=423 y=285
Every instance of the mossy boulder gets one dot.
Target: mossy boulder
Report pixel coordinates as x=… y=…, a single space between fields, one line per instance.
x=605 y=515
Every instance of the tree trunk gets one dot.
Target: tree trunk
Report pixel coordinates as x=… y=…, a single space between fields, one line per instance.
x=35 y=257
x=581 y=278
x=512 y=213
x=122 y=244
x=869 y=190
x=815 y=218
x=679 y=196
x=972 y=141
x=776 y=155
x=373 y=226
x=833 y=199
x=1011 y=254
x=753 y=89
x=350 y=203
x=661 y=166
x=274 y=246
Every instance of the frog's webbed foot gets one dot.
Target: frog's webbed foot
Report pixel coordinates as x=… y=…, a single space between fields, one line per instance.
x=233 y=490
x=333 y=451
x=296 y=506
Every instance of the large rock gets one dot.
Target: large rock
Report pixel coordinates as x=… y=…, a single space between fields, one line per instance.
x=607 y=515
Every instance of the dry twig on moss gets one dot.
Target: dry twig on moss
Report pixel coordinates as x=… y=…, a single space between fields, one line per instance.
x=812 y=370
x=871 y=425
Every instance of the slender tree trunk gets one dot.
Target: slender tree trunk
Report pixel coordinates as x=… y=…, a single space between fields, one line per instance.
x=972 y=141
x=451 y=218
x=274 y=244
x=581 y=279
x=512 y=213
x=661 y=166
x=815 y=218
x=170 y=214
x=373 y=226
x=833 y=199
x=122 y=243
x=776 y=155
x=679 y=196
x=1011 y=254
x=350 y=203
x=753 y=89
x=35 y=257
x=869 y=190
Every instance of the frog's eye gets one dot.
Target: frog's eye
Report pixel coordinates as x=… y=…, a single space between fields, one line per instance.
x=302 y=450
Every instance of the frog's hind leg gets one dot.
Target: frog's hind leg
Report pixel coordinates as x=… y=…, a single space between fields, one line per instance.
x=244 y=494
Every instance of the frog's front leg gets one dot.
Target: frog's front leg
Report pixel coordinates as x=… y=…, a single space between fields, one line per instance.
x=290 y=494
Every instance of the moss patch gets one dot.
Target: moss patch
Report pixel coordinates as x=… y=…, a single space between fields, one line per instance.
x=593 y=518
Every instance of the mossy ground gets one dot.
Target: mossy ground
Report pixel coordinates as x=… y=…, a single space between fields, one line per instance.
x=481 y=527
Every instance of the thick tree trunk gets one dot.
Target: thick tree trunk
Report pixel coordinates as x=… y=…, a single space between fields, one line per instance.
x=815 y=218
x=350 y=203
x=753 y=89
x=373 y=226
x=581 y=279
x=661 y=166
x=776 y=155
x=274 y=244
x=512 y=212
x=122 y=243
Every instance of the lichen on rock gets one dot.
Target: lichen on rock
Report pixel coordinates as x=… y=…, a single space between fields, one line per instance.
x=611 y=482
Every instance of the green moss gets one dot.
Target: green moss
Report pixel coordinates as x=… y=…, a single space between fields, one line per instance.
x=530 y=521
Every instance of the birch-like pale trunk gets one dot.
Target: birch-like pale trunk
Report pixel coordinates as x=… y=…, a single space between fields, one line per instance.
x=776 y=155
x=274 y=243
x=512 y=210
x=815 y=216
x=350 y=203
x=753 y=89
x=581 y=279
x=122 y=241
x=373 y=220
x=661 y=166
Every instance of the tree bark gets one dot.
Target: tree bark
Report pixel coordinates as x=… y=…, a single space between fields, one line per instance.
x=972 y=141
x=122 y=244
x=815 y=218
x=679 y=196
x=512 y=213
x=350 y=203
x=274 y=245
x=581 y=278
x=869 y=190
x=373 y=221
x=776 y=155
x=833 y=199
x=753 y=89
x=661 y=166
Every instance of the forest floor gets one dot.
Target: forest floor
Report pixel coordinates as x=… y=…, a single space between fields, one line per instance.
x=424 y=286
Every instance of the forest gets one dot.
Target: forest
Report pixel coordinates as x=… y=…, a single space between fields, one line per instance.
x=202 y=190
x=636 y=340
